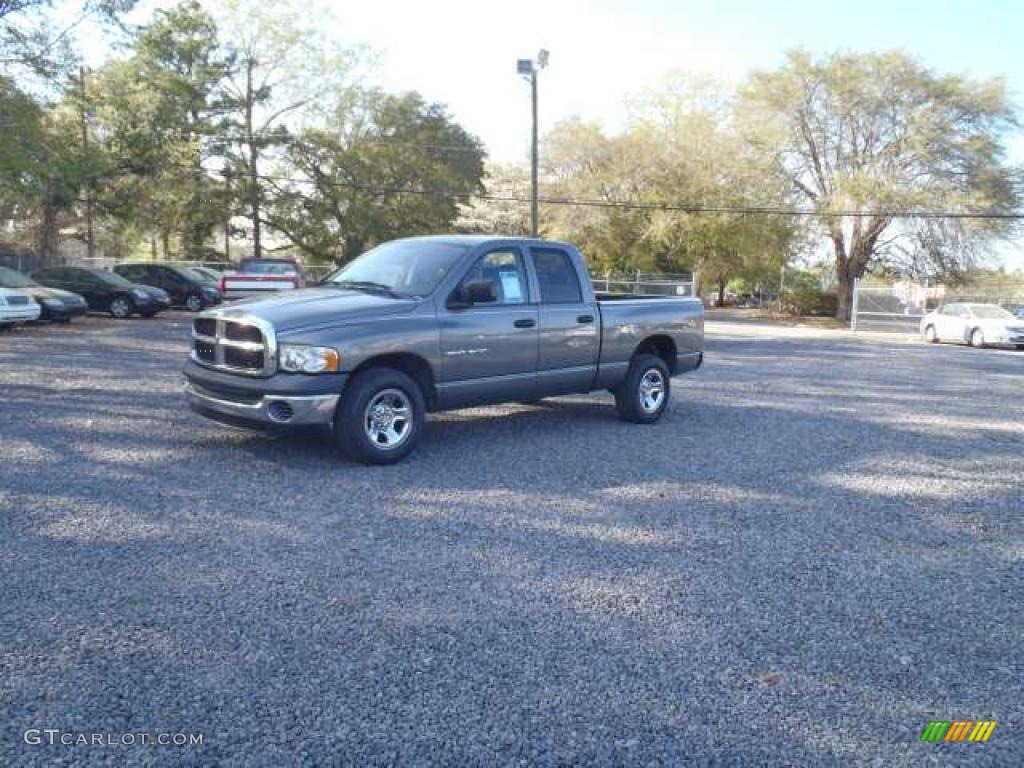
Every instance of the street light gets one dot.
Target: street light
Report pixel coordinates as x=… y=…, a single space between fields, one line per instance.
x=528 y=68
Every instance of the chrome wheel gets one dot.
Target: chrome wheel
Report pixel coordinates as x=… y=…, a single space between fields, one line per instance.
x=388 y=419
x=194 y=303
x=120 y=308
x=977 y=338
x=652 y=390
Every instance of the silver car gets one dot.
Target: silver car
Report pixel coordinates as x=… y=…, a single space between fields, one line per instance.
x=976 y=324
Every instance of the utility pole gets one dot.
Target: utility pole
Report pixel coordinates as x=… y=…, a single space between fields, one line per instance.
x=90 y=246
x=529 y=69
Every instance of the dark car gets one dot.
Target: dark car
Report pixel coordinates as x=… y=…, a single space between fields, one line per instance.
x=104 y=291
x=56 y=304
x=186 y=287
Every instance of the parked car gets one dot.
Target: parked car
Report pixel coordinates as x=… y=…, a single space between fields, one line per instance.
x=103 y=291
x=17 y=307
x=54 y=303
x=209 y=274
x=432 y=324
x=255 y=277
x=184 y=285
x=976 y=324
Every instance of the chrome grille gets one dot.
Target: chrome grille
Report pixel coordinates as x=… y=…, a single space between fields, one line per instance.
x=239 y=345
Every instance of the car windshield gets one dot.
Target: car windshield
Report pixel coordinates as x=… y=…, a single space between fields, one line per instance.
x=112 y=278
x=198 y=273
x=404 y=267
x=268 y=268
x=10 y=278
x=990 y=312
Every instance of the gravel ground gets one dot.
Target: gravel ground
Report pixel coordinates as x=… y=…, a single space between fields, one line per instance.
x=816 y=552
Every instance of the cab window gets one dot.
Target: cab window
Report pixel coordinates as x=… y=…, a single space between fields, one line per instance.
x=556 y=276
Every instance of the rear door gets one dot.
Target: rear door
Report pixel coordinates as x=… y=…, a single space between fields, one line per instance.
x=489 y=351
x=569 y=333
x=83 y=282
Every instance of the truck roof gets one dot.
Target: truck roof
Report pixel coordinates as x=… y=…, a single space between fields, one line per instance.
x=472 y=240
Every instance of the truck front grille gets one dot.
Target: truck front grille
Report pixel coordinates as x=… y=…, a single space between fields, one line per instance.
x=235 y=345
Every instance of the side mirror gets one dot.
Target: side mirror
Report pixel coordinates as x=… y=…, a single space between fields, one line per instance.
x=479 y=292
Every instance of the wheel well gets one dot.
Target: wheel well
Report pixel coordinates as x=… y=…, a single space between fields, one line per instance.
x=413 y=366
x=662 y=346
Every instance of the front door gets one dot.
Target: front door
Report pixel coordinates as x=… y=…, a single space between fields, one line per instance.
x=489 y=351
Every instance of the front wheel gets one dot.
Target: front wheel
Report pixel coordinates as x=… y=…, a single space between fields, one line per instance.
x=380 y=416
x=977 y=338
x=643 y=396
x=930 y=335
x=121 y=307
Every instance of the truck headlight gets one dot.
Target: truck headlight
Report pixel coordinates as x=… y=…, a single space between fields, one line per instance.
x=296 y=358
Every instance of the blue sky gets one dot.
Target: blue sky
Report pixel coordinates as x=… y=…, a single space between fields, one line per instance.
x=463 y=52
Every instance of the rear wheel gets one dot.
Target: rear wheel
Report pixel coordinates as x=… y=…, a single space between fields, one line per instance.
x=977 y=338
x=121 y=307
x=380 y=416
x=930 y=335
x=643 y=396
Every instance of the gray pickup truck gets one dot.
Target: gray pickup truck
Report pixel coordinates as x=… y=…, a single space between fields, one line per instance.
x=431 y=324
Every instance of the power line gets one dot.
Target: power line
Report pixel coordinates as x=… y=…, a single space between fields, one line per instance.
x=764 y=210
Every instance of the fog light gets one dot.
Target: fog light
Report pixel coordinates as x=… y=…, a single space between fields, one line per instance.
x=279 y=410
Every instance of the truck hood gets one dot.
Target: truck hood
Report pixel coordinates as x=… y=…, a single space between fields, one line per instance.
x=310 y=307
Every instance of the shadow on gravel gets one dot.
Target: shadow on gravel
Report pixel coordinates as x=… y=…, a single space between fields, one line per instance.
x=801 y=564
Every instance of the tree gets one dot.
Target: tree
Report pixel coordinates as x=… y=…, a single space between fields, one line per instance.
x=880 y=135
x=286 y=66
x=392 y=166
x=160 y=111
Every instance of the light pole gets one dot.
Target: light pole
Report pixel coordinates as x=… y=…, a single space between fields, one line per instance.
x=529 y=68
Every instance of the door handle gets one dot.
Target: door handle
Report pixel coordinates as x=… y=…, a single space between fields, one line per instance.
x=585 y=319
x=526 y=322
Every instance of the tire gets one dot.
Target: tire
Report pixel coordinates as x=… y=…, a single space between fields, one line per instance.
x=121 y=307
x=643 y=396
x=194 y=302
x=930 y=335
x=977 y=338
x=388 y=390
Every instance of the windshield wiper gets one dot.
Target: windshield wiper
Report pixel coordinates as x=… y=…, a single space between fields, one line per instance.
x=367 y=285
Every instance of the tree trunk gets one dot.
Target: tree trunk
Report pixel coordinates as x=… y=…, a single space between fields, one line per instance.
x=844 y=306
x=254 y=176
x=721 y=292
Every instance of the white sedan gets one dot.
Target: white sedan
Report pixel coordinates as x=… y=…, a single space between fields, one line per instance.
x=17 y=307
x=975 y=324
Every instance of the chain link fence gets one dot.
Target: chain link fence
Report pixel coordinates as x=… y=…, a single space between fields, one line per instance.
x=646 y=283
x=897 y=306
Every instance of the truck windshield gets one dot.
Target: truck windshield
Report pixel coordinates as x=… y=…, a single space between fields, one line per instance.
x=409 y=268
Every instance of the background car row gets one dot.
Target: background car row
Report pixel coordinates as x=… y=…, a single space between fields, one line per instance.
x=62 y=293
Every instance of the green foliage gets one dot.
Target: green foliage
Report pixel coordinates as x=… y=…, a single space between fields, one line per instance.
x=384 y=171
x=681 y=147
x=880 y=134
x=802 y=293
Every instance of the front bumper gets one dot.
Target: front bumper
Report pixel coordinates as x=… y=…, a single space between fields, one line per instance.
x=63 y=311
x=282 y=400
x=268 y=411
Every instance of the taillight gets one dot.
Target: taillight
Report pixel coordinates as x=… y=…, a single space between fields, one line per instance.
x=223 y=285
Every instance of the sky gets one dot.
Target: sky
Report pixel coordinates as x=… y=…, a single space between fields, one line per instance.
x=464 y=53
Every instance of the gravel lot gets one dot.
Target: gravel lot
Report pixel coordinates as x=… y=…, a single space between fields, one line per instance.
x=817 y=551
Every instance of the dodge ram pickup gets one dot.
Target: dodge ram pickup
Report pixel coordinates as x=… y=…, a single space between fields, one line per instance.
x=436 y=323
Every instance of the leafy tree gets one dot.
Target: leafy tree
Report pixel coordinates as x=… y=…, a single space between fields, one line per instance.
x=392 y=166
x=879 y=135
x=286 y=66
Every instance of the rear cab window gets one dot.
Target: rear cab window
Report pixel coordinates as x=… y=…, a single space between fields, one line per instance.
x=556 y=275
